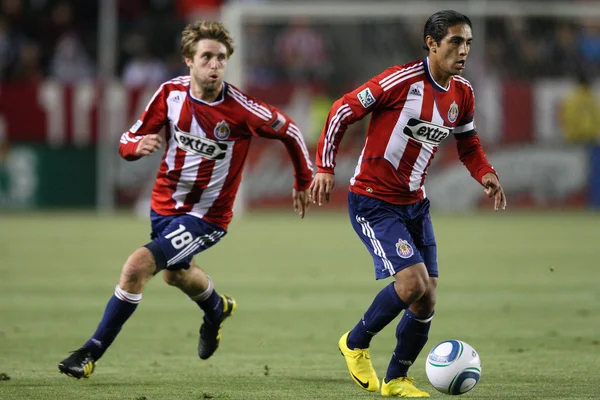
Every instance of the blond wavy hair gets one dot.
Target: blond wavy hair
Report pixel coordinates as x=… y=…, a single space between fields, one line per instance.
x=199 y=30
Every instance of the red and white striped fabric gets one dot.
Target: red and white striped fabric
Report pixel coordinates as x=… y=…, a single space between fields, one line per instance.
x=410 y=115
x=206 y=147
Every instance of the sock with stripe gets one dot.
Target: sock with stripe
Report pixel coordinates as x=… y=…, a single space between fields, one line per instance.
x=210 y=302
x=118 y=310
x=412 y=334
x=386 y=306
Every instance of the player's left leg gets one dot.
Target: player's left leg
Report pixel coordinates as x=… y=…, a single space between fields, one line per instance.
x=174 y=246
x=411 y=333
x=217 y=308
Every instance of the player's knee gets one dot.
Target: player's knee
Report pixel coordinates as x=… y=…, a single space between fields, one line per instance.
x=174 y=278
x=140 y=265
x=426 y=304
x=412 y=283
x=417 y=288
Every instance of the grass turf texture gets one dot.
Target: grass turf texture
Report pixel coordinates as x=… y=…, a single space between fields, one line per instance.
x=522 y=289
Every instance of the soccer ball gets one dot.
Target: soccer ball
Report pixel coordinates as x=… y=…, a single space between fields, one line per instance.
x=453 y=367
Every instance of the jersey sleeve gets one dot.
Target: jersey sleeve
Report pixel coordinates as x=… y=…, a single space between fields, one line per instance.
x=151 y=121
x=269 y=122
x=470 y=151
x=345 y=111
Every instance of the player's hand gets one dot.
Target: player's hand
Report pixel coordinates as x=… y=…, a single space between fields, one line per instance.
x=321 y=187
x=148 y=145
x=300 y=200
x=493 y=189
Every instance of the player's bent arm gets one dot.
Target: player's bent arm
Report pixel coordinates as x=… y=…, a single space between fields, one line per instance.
x=350 y=108
x=152 y=120
x=471 y=154
x=280 y=126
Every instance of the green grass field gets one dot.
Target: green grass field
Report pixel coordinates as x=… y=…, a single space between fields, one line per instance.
x=523 y=289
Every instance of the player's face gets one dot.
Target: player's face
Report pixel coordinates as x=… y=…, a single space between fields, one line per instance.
x=207 y=67
x=451 y=54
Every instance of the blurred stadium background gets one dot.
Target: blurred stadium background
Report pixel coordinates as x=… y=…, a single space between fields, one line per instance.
x=76 y=74
x=521 y=287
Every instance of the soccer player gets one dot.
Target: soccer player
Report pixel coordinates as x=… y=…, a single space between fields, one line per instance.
x=210 y=124
x=413 y=108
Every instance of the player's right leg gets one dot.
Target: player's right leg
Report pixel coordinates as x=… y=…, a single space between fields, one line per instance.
x=413 y=329
x=411 y=334
x=138 y=269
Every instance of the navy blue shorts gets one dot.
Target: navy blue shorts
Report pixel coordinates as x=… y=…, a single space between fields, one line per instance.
x=177 y=238
x=397 y=236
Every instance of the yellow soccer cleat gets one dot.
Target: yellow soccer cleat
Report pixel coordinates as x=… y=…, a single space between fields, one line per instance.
x=401 y=387
x=360 y=366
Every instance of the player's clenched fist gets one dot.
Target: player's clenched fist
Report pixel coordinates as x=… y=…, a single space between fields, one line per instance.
x=148 y=145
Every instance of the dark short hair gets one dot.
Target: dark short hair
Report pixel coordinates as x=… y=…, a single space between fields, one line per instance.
x=438 y=24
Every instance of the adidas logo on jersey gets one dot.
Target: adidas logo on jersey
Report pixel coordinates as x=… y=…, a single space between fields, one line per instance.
x=415 y=91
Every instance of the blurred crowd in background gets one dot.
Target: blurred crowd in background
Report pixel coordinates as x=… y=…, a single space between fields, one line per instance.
x=58 y=39
x=538 y=108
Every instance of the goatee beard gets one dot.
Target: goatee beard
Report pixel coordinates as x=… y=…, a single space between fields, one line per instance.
x=210 y=87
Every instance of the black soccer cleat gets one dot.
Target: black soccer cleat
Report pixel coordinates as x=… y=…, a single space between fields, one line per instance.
x=80 y=364
x=210 y=333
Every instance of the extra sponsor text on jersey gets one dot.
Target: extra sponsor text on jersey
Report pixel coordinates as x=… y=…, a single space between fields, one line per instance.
x=201 y=146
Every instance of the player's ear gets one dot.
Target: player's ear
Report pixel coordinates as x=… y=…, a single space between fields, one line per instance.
x=188 y=62
x=431 y=43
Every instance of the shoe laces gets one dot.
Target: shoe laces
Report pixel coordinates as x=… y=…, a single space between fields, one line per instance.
x=408 y=379
x=81 y=354
x=361 y=353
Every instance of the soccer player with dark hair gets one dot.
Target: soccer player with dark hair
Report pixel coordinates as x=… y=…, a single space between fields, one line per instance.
x=413 y=108
x=209 y=126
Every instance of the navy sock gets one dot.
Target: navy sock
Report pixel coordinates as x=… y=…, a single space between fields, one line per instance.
x=412 y=334
x=118 y=310
x=385 y=307
x=210 y=302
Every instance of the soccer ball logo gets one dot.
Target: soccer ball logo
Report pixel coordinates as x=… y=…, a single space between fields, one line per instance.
x=453 y=367
x=404 y=249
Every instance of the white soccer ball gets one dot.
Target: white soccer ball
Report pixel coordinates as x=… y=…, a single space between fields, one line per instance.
x=453 y=367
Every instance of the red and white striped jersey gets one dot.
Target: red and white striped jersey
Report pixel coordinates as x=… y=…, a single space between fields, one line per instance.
x=206 y=147
x=410 y=116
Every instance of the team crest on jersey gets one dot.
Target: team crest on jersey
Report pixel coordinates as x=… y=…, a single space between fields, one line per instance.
x=453 y=112
x=404 y=249
x=222 y=130
x=366 y=98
